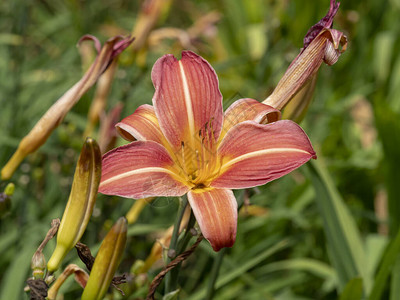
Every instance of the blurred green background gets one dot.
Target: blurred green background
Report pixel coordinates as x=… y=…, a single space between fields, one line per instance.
x=311 y=232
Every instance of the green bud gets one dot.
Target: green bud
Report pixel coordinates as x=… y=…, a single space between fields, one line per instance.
x=5 y=199
x=80 y=203
x=106 y=262
x=9 y=191
x=38 y=265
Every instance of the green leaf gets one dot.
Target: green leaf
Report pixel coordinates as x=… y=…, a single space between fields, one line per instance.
x=172 y=295
x=343 y=238
x=388 y=126
x=243 y=268
x=394 y=285
x=389 y=259
x=353 y=290
x=312 y=266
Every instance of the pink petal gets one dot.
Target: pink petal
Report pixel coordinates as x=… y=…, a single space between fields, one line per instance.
x=142 y=125
x=216 y=212
x=248 y=110
x=187 y=98
x=140 y=170
x=253 y=154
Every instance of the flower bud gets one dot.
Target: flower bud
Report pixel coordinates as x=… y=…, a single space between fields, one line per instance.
x=137 y=207
x=150 y=13
x=321 y=44
x=106 y=262
x=38 y=265
x=56 y=113
x=80 y=203
x=5 y=199
x=297 y=108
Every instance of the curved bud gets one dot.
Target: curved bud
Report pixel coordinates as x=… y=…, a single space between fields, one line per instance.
x=80 y=203
x=321 y=44
x=106 y=262
x=81 y=277
x=56 y=113
x=297 y=108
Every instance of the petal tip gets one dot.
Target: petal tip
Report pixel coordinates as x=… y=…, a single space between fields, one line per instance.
x=217 y=246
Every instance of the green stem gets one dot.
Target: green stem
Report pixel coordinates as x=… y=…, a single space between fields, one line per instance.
x=188 y=235
x=214 y=274
x=181 y=248
x=172 y=245
x=218 y=259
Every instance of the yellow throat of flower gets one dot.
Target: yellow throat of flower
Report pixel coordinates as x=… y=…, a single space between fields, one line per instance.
x=198 y=160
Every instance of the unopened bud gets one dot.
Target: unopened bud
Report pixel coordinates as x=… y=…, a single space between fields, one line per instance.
x=38 y=265
x=106 y=262
x=9 y=190
x=5 y=199
x=80 y=203
x=321 y=44
x=297 y=108
x=56 y=113
x=193 y=232
x=171 y=253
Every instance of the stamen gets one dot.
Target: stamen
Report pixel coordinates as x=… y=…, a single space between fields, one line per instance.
x=183 y=165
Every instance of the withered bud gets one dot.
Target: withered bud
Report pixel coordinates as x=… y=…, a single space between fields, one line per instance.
x=80 y=276
x=56 y=113
x=150 y=13
x=321 y=44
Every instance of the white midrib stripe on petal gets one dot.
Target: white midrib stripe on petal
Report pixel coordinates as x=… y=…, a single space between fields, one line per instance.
x=259 y=153
x=188 y=101
x=135 y=172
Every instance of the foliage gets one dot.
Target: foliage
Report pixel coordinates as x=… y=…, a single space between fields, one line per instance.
x=318 y=233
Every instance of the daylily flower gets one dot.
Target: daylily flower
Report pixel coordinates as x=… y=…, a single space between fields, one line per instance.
x=186 y=144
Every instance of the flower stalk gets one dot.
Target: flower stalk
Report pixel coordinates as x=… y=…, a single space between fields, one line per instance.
x=80 y=203
x=214 y=274
x=81 y=277
x=174 y=238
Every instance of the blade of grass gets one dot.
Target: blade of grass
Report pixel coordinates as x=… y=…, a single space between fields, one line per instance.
x=388 y=126
x=394 y=284
x=388 y=260
x=353 y=290
x=312 y=266
x=343 y=238
x=244 y=267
